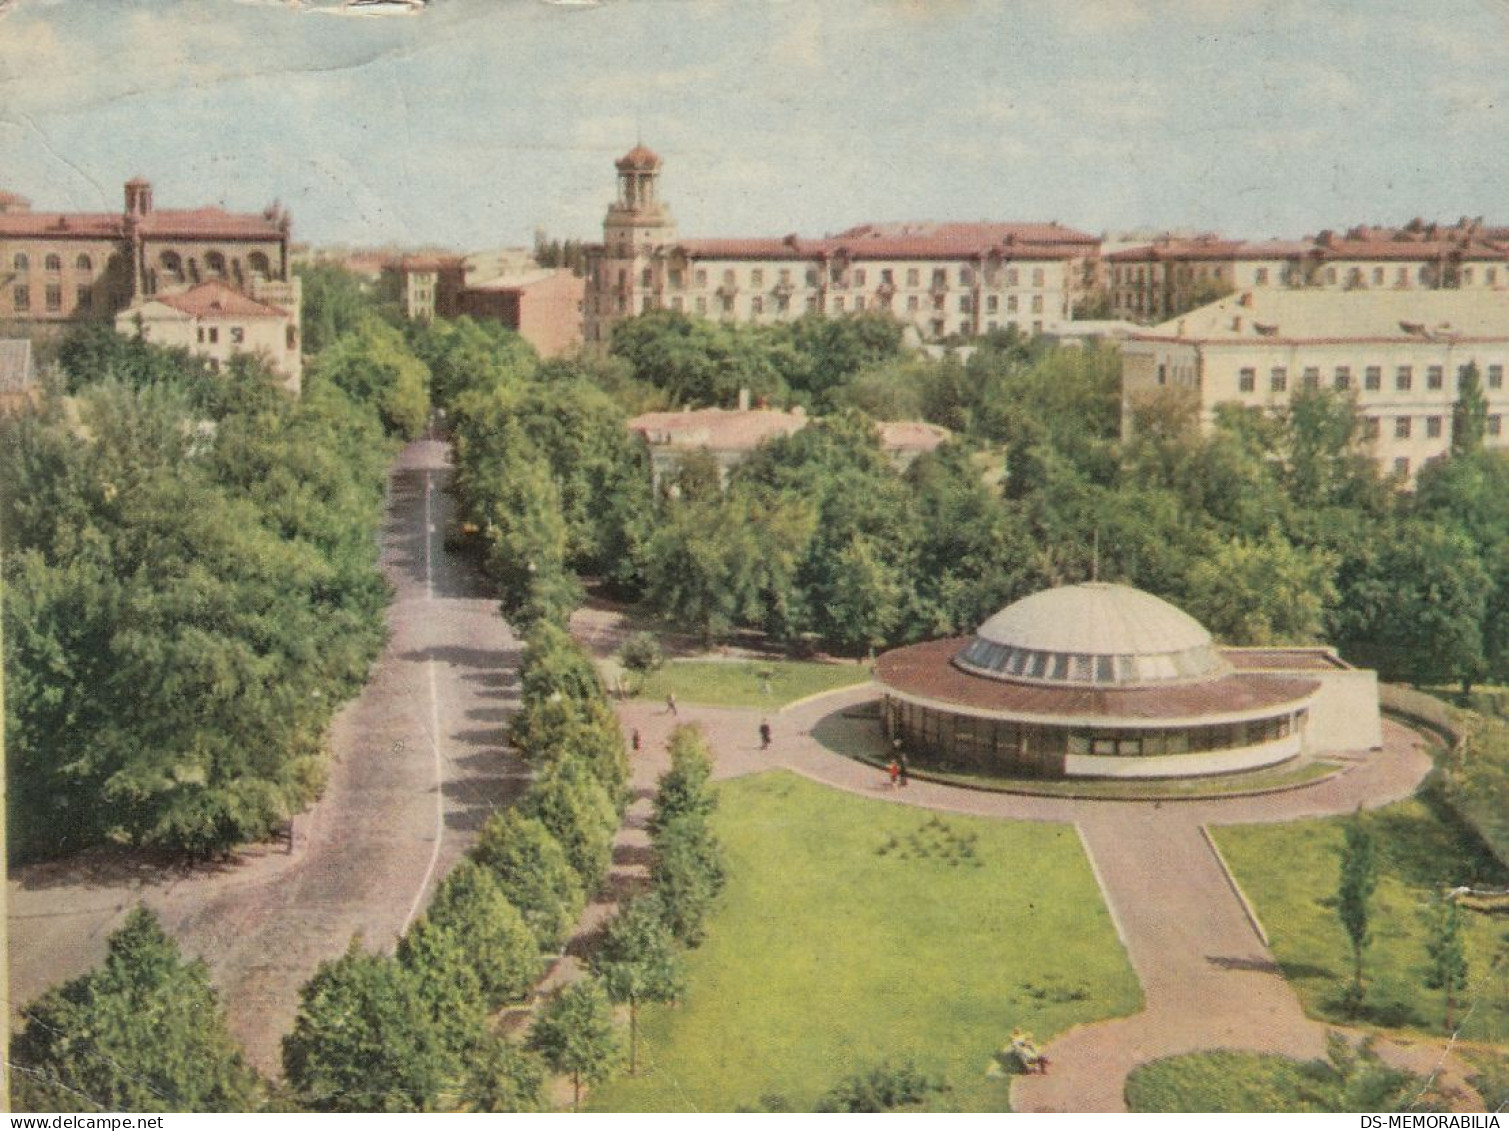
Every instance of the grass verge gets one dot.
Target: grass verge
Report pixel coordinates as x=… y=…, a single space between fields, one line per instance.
x=855 y=931
x=748 y=683
x=1291 y=873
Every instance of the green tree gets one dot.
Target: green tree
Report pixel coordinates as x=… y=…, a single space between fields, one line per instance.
x=502 y=1077
x=144 y=1032
x=1469 y=414
x=1262 y=592
x=569 y=801
x=445 y=971
x=684 y=789
x=574 y=1033
x=374 y=364
x=364 y=1039
x=470 y=904
x=637 y=962
x=534 y=873
x=336 y=303
x=686 y=874
x=1359 y=879
x=1447 y=970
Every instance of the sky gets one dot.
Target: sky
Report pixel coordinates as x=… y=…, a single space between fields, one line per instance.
x=475 y=123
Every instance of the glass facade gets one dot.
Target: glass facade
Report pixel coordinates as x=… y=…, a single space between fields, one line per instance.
x=1004 y=661
x=967 y=742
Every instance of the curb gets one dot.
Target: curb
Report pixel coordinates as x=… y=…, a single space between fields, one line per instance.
x=1236 y=888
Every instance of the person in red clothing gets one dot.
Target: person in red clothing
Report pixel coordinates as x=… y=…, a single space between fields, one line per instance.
x=894 y=769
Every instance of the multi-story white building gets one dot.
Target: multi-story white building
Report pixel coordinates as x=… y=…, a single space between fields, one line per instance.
x=1400 y=354
x=944 y=279
x=1158 y=279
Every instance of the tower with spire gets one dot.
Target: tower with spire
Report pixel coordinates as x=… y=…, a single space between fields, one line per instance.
x=625 y=274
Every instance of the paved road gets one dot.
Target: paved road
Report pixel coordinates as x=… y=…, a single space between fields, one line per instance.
x=1208 y=980
x=419 y=763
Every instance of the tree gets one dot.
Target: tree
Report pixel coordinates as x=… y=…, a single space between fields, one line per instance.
x=569 y=801
x=574 y=1033
x=442 y=964
x=502 y=1077
x=638 y=962
x=365 y=1040
x=1262 y=592
x=886 y=1087
x=374 y=364
x=1469 y=414
x=1447 y=970
x=1359 y=878
x=534 y=873
x=144 y=1032
x=686 y=874
x=683 y=790
x=471 y=906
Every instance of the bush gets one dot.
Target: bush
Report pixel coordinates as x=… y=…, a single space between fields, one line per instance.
x=886 y=1087
x=641 y=653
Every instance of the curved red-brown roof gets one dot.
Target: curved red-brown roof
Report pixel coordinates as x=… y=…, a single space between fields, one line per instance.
x=640 y=157
x=926 y=672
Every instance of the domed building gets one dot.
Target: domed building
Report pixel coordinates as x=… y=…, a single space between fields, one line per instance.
x=1105 y=681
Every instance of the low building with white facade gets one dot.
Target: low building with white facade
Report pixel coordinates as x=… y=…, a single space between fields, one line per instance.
x=1401 y=354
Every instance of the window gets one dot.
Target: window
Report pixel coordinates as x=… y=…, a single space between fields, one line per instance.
x=859 y=278
x=911 y=302
x=1011 y=276
x=1404 y=378
x=1495 y=376
x=913 y=277
x=54 y=298
x=1037 y=304
x=84 y=263
x=1247 y=381
x=21 y=262
x=1435 y=377
x=1373 y=378
x=885 y=277
x=728 y=277
x=1433 y=427
x=757 y=278
x=1401 y=428
x=201 y=335
x=966 y=277
x=727 y=302
x=1312 y=377
x=811 y=304
x=1011 y=304
x=1495 y=425
x=859 y=302
x=1467 y=276
x=214 y=263
x=256 y=262
x=1037 y=276
x=1278 y=379
x=1260 y=277
x=701 y=277
x=757 y=305
x=992 y=303
x=214 y=335
x=238 y=335
x=1370 y=428
x=1462 y=371
x=964 y=304
x=21 y=298
x=701 y=304
x=83 y=298
x=1401 y=467
x=1491 y=276
x=838 y=304
x=812 y=278
x=783 y=302
x=1401 y=277
x=647 y=278
x=53 y=263
x=1343 y=377
x=291 y=337
x=673 y=276
x=1331 y=276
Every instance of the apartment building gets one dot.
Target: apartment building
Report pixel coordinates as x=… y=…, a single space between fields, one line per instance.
x=943 y=279
x=1159 y=279
x=1401 y=354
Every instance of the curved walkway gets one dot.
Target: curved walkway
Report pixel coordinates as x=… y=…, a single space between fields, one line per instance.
x=1208 y=979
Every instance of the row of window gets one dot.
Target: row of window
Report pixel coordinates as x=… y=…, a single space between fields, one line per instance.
x=1372 y=378
x=215 y=264
x=1068 y=667
x=1332 y=276
x=1404 y=427
x=51 y=263
x=52 y=298
x=840 y=279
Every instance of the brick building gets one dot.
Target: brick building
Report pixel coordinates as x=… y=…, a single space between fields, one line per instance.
x=944 y=279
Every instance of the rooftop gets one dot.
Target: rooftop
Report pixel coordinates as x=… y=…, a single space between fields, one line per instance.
x=717 y=428
x=1356 y=315
x=216 y=300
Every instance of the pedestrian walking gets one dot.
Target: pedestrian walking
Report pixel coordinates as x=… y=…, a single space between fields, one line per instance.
x=894 y=769
x=635 y=741
x=904 y=770
x=764 y=735
x=670 y=704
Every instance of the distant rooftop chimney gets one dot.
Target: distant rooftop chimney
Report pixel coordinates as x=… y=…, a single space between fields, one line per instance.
x=138 y=197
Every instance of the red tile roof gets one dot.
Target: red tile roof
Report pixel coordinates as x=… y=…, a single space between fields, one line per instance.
x=162 y=223
x=717 y=429
x=926 y=671
x=910 y=435
x=640 y=157
x=973 y=232
x=757 y=247
x=216 y=300
x=62 y=225
x=933 y=241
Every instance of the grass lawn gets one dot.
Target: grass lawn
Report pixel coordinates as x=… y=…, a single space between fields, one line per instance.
x=1291 y=872
x=1227 y=1081
x=853 y=931
x=749 y=683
